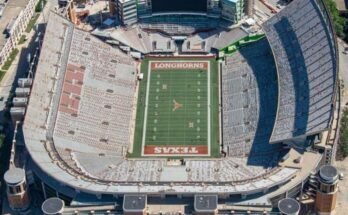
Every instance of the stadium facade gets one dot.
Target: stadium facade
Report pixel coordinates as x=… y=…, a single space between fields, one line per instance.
x=278 y=101
x=129 y=11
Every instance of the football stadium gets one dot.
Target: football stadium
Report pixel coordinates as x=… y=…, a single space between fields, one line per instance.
x=208 y=120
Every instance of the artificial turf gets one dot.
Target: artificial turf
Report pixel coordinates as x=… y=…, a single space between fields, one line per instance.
x=177 y=108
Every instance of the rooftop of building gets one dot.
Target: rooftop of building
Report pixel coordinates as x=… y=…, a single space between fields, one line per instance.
x=342 y=5
x=134 y=203
x=232 y=1
x=14 y=176
x=53 y=206
x=328 y=173
x=126 y=1
x=11 y=11
x=289 y=206
x=206 y=203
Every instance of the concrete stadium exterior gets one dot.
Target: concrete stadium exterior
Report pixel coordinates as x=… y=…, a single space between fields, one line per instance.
x=79 y=157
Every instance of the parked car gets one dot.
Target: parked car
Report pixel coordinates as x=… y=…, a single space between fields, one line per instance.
x=81 y=6
x=345 y=50
x=341 y=176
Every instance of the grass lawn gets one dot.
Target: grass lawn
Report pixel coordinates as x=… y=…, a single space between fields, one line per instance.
x=22 y=39
x=182 y=109
x=40 y=5
x=2 y=74
x=10 y=59
x=32 y=22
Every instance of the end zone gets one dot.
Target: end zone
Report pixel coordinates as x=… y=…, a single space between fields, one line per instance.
x=176 y=150
x=178 y=65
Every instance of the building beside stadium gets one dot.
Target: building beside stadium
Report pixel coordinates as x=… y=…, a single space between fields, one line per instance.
x=232 y=10
x=126 y=11
x=14 y=18
x=129 y=10
x=252 y=129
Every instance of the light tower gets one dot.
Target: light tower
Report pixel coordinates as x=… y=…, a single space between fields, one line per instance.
x=326 y=197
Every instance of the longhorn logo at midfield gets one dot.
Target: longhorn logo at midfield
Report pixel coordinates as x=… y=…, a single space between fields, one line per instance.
x=176 y=105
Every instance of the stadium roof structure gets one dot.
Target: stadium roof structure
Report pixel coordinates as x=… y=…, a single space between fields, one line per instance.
x=303 y=43
x=80 y=120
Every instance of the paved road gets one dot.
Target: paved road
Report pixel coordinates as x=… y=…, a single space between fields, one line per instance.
x=342 y=201
x=344 y=69
x=20 y=66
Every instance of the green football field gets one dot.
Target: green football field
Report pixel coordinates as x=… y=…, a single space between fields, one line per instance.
x=177 y=113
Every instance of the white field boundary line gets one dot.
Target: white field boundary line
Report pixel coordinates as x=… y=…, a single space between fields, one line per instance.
x=146 y=107
x=134 y=114
x=146 y=112
x=209 y=110
x=220 y=105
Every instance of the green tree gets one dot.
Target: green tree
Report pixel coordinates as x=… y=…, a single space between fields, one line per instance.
x=343 y=139
x=341 y=24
